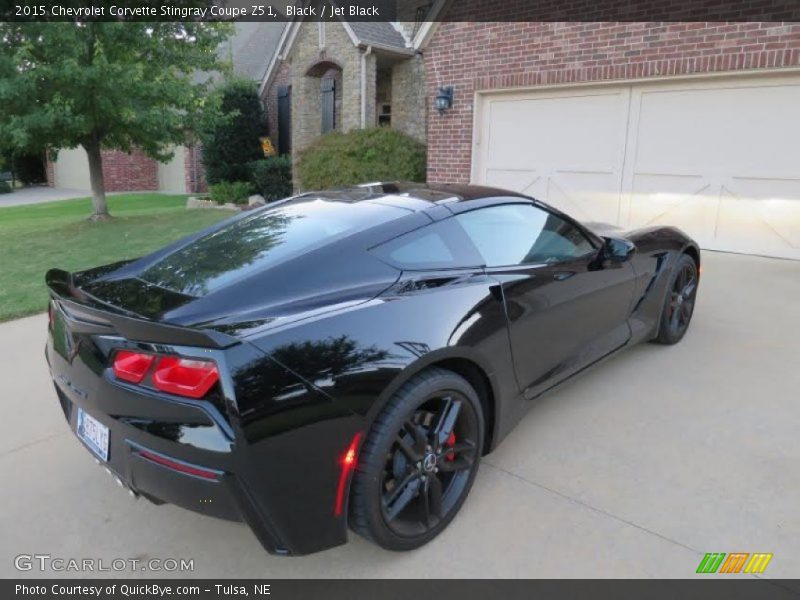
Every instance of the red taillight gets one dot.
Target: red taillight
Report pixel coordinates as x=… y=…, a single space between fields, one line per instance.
x=348 y=464
x=182 y=376
x=132 y=366
x=185 y=376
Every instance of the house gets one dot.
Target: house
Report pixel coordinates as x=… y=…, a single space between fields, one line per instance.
x=692 y=124
x=632 y=123
x=340 y=75
x=250 y=50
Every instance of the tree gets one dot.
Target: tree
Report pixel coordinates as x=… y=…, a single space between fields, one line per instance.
x=105 y=85
x=232 y=141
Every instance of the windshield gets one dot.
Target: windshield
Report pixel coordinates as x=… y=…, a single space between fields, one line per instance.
x=258 y=242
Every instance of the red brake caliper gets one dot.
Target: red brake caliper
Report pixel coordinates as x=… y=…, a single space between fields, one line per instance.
x=450 y=442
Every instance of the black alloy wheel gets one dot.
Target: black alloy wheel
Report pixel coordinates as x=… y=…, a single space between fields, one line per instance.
x=418 y=462
x=680 y=301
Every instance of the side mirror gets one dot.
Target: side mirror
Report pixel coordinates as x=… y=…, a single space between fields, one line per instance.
x=618 y=249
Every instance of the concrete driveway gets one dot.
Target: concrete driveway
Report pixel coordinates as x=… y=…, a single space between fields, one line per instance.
x=40 y=193
x=634 y=470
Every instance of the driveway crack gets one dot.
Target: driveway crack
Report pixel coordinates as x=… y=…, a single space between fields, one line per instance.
x=34 y=442
x=590 y=507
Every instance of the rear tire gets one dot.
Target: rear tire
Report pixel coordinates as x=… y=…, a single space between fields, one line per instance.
x=418 y=462
x=679 y=301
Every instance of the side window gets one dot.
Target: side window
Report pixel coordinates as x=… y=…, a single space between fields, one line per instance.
x=516 y=234
x=440 y=245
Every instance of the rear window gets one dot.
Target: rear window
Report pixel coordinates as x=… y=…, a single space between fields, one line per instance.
x=258 y=242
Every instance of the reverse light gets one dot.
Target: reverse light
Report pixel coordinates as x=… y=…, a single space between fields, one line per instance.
x=347 y=466
x=132 y=366
x=350 y=458
x=184 y=376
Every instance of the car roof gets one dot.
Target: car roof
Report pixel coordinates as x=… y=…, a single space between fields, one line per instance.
x=435 y=201
x=411 y=195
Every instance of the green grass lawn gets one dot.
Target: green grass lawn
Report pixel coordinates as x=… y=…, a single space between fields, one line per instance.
x=36 y=237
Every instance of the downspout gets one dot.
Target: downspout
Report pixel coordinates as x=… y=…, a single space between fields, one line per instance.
x=364 y=56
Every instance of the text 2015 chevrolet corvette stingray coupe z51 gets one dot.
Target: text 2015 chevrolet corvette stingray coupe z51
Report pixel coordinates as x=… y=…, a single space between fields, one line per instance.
x=345 y=358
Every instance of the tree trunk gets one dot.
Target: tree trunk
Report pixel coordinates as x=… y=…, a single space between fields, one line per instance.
x=100 y=212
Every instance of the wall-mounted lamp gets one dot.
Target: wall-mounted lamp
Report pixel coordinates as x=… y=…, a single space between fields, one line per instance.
x=444 y=99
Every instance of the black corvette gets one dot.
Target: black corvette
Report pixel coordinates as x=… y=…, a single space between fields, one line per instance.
x=345 y=358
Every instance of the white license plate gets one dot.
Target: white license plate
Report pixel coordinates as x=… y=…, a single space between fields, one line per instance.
x=93 y=433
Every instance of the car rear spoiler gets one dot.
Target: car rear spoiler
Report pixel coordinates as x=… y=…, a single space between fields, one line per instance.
x=87 y=314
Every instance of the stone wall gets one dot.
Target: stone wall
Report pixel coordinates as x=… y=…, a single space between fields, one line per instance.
x=409 y=101
x=333 y=54
x=306 y=55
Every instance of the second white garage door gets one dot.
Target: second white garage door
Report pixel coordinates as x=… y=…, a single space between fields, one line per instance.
x=718 y=158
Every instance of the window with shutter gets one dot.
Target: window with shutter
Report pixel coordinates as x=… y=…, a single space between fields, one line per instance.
x=328 y=103
x=284 y=119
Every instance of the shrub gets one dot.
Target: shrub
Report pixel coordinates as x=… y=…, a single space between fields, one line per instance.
x=29 y=168
x=4 y=187
x=26 y=168
x=232 y=141
x=272 y=177
x=360 y=156
x=231 y=191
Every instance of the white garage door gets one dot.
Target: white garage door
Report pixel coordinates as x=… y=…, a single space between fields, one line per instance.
x=718 y=158
x=71 y=169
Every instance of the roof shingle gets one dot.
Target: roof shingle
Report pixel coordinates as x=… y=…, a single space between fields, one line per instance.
x=251 y=47
x=378 y=32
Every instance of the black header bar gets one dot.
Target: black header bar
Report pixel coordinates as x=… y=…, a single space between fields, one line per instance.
x=401 y=10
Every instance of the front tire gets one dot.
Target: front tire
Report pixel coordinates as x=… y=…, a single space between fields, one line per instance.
x=679 y=302
x=418 y=461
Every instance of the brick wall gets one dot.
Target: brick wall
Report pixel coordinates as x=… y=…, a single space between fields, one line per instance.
x=194 y=170
x=474 y=56
x=50 y=169
x=124 y=172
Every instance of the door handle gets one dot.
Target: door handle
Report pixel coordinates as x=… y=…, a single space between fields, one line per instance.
x=562 y=275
